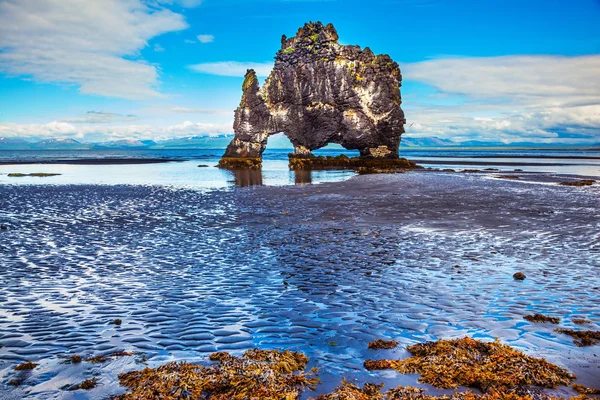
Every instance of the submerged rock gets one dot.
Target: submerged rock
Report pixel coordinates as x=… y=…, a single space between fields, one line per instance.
x=519 y=276
x=35 y=174
x=321 y=92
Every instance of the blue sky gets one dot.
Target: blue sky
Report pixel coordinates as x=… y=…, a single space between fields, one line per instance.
x=150 y=69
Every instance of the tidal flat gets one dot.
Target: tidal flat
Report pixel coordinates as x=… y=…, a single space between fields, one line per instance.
x=320 y=269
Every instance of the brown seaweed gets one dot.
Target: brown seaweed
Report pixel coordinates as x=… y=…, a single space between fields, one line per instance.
x=349 y=391
x=26 y=366
x=489 y=366
x=87 y=384
x=581 y=321
x=383 y=344
x=584 y=390
x=581 y=338
x=257 y=374
x=542 y=318
x=583 y=182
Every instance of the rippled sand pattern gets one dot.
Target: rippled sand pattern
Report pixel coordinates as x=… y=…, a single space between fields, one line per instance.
x=321 y=269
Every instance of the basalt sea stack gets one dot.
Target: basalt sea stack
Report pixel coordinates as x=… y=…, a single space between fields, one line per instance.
x=320 y=92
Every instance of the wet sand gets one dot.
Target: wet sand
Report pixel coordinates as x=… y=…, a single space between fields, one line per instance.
x=321 y=269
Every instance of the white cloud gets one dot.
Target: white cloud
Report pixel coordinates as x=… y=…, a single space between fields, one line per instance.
x=508 y=99
x=92 y=44
x=84 y=132
x=524 y=78
x=206 y=38
x=158 y=48
x=233 y=68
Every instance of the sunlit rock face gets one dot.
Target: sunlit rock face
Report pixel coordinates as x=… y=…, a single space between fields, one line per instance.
x=321 y=92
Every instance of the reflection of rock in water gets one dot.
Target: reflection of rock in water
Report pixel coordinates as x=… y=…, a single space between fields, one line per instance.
x=303 y=177
x=247 y=177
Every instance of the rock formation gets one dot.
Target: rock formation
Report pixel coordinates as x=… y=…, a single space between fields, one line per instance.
x=320 y=92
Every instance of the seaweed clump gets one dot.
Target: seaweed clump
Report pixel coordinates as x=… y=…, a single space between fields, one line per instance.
x=493 y=367
x=542 y=318
x=26 y=366
x=87 y=384
x=383 y=344
x=102 y=358
x=581 y=321
x=73 y=359
x=581 y=338
x=257 y=374
x=349 y=391
x=584 y=390
x=583 y=182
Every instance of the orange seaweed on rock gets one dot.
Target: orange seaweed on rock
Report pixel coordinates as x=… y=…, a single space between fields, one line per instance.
x=490 y=366
x=257 y=374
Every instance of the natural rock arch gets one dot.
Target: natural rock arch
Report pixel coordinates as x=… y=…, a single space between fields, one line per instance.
x=321 y=92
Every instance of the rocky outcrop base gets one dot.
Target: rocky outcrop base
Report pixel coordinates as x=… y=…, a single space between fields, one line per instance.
x=359 y=164
x=240 y=163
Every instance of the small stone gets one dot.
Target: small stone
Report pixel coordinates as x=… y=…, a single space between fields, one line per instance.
x=519 y=276
x=3 y=227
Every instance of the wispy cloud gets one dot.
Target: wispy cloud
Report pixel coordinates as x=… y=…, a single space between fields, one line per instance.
x=182 y=3
x=205 y=111
x=233 y=68
x=509 y=98
x=100 y=117
x=94 y=45
x=206 y=38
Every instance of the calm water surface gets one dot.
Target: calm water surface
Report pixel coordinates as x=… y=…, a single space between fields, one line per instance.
x=186 y=173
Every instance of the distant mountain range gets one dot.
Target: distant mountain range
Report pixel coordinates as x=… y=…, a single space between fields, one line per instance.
x=221 y=141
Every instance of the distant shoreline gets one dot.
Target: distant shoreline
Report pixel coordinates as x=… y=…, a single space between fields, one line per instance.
x=96 y=161
x=494 y=163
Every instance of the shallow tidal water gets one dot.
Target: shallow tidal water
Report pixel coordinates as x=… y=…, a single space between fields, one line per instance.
x=321 y=269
